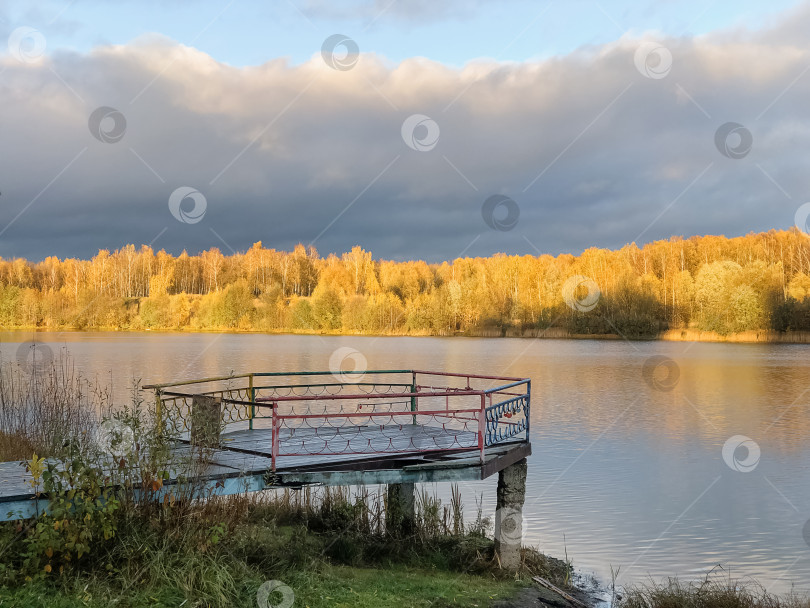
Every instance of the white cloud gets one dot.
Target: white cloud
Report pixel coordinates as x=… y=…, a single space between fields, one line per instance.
x=280 y=150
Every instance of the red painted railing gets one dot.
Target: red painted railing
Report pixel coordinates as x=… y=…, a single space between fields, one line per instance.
x=374 y=413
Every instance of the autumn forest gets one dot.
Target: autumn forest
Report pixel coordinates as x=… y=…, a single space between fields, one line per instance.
x=713 y=283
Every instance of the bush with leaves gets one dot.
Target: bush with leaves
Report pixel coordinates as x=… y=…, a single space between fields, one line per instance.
x=79 y=518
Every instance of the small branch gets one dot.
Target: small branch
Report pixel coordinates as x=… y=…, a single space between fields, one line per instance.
x=543 y=582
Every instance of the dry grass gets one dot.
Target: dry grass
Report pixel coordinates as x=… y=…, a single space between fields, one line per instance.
x=708 y=594
x=46 y=411
x=15 y=446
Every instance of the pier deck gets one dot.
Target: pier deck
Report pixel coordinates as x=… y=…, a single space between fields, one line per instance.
x=402 y=426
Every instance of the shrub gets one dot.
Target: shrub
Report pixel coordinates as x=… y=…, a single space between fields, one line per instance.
x=80 y=516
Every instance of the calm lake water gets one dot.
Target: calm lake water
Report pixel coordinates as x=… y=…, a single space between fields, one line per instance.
x=622 y=474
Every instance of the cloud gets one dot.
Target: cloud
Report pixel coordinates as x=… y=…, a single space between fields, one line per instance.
x=593 y=152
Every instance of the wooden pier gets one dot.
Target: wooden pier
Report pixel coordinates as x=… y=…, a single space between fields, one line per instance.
x=280 y=429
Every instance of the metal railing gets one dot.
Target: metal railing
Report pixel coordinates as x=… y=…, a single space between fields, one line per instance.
x=375 y=412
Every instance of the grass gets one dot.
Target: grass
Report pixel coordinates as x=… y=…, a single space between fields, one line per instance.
x=15 y=445
x=342 y=586
x=329 y=586
x=332 y=548
x=154 y=567
x=43 y=408
x=707 y=594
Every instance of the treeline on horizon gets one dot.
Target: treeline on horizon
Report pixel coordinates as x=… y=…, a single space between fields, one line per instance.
x=712 y=283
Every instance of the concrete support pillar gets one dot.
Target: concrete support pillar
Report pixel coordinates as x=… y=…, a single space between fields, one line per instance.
x=401 y=508
x=509 y=514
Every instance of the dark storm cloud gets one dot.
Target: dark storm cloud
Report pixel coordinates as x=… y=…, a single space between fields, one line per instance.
x=593 y=152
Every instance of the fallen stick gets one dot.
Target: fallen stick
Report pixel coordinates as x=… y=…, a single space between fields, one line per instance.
x=541 y=581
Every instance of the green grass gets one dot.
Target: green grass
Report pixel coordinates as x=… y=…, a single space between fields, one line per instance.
x=159 y=567
x=342 y=586
x=332 y=586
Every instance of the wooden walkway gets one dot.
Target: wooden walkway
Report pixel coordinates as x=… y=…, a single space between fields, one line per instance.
x=345 y=433
x=418 y=454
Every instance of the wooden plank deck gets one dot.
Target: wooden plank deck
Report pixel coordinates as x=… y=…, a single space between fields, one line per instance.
x=403 y=453
x=303 y=448
x=14 y=481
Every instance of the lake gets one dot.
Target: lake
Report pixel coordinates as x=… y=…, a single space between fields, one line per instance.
x=626 y=471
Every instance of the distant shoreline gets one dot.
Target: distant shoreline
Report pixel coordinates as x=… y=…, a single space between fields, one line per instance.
x=760 y=336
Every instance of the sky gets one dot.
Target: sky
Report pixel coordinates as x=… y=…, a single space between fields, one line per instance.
x=415 y=129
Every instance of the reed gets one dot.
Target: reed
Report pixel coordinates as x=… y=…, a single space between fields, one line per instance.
x=708 y=593
x=44 y=410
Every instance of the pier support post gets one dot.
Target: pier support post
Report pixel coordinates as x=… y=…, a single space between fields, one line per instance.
x=401 y=512
x=509 y=514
